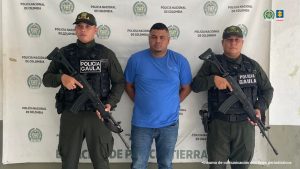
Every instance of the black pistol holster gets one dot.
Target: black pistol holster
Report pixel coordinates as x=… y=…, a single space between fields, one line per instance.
x=205 y=119
x=59 y=103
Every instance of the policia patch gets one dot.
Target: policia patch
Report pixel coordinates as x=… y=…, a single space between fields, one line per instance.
x=246 y=80
x=91 y=66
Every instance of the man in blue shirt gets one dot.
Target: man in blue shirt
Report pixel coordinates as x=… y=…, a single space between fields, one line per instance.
x=157 y=80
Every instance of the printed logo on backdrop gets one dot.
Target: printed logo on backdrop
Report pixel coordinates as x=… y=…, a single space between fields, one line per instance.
x=269 y=14
x=34 y=30
x=34 y=110
x=240 y=8
x=140 y=8
x=201 y=137
x=32 y=5
x=34 y=59
x=174 y=31
x=103 y=8
x=279 y=15
x=173 y=9
x=115 y=154
x=244 y=29
x=210 y=8
x=206 y=33
x=65 y=31
x=199 y=154
x=66 y=6
x=34 y=82
x=103 y=32
x=138 y=32
x=35 y=135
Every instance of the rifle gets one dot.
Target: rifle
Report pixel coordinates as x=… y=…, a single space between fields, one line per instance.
x=88 y=93
x=237 y=94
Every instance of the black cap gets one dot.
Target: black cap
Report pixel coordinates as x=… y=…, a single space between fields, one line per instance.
x=232 y=31
x=85 y=18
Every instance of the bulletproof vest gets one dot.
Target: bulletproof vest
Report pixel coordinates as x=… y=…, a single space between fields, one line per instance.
x=93 y=64
x=245 y=74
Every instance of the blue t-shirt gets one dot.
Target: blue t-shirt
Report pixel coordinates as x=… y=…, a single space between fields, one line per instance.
x=157 y=83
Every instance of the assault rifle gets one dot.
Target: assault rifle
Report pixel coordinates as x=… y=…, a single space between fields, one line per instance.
x=88 y=93
x=237 y=94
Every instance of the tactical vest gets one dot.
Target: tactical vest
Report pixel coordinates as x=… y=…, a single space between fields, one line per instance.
x=245 y=74
x=93 y=64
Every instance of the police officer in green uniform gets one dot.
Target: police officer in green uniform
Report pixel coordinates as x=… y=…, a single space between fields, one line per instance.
x=100 y=67
x=231 y=135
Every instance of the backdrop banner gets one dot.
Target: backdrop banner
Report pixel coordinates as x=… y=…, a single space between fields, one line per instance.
x=285 y=63
x=32 y=29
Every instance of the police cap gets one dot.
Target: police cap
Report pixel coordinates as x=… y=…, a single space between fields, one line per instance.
x=232 y=31
x=85 y=18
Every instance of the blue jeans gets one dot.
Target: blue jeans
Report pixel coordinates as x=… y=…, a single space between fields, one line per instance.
x=141 y=141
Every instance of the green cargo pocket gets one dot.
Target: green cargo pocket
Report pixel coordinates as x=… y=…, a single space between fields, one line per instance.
x=106 y=146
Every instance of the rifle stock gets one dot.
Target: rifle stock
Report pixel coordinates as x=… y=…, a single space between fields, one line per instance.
x=89 y=92
x=209 y=56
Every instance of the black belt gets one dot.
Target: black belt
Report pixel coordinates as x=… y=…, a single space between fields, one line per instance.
x=85 y=107
x=230 y=117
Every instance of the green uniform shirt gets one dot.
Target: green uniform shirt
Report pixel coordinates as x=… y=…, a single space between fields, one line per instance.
x=204 y=80
x=52 y=77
